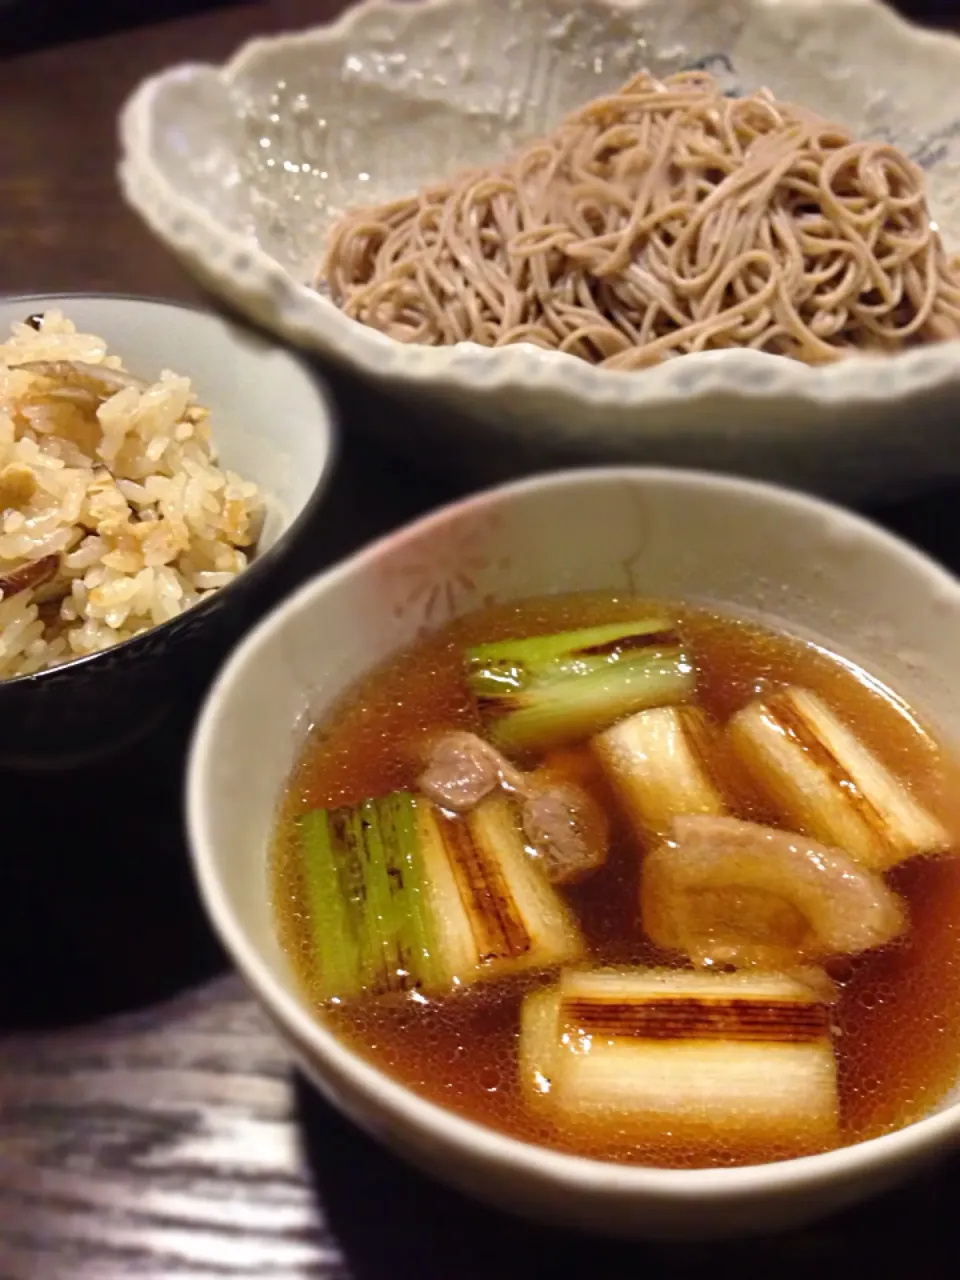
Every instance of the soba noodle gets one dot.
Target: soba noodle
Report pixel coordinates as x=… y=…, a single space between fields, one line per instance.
x=662 y=220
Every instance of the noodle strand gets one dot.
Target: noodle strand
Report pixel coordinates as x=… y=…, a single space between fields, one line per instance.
x=658 y=221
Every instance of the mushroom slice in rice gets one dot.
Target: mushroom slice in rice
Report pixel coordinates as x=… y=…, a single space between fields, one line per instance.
x=96 y=379
x=34 y=574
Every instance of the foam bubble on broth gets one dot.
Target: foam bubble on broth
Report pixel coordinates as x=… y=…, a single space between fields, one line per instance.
x=898 y=1018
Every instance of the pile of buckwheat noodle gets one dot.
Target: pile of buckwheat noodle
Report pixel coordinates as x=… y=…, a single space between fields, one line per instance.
x=662 y=220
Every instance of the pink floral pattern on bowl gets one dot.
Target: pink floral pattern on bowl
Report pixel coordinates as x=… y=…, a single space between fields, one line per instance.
x=443 y=570
x=463 y=558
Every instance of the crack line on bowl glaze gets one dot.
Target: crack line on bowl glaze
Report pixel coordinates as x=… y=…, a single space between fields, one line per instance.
x=644 y=538
x=241 y=269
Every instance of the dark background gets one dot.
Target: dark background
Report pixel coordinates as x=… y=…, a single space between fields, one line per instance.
x=29 y=24
x=170 y=1141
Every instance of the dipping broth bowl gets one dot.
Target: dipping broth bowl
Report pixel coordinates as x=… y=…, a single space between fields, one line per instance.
x=752 y=549
x=273 y=424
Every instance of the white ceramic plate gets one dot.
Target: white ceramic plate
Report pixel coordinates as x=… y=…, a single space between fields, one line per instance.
x=240 y=169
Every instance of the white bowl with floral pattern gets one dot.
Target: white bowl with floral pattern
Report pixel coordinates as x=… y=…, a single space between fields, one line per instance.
x=242 y=168
x=748 y=548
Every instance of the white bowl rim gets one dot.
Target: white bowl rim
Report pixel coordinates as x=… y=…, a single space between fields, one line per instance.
x=252 y=276
x=927 y=1136
x=327 y=424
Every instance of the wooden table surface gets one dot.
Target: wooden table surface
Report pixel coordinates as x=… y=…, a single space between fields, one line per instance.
x=150 y=1125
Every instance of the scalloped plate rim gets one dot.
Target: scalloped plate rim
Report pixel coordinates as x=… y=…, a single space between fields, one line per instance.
x=304 y=315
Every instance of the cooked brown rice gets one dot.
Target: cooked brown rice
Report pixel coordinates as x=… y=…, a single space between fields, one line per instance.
x=114 y=516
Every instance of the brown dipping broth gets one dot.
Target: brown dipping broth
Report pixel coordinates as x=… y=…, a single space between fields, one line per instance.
x=898 y=1048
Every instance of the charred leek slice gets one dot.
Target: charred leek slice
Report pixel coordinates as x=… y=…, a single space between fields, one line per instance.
x=549 y=690
x=663 y=763
x=825 y=782
x=403 y=897
x=363 y=870
x=678 y=1058
x=492 y=902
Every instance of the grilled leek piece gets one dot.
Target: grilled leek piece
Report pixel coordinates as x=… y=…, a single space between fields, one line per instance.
x=546 y=691
x=679 y=1058
x=364 y=875
x=404 y=897
x=663 y=763
x=724 y=892
x=826 y=783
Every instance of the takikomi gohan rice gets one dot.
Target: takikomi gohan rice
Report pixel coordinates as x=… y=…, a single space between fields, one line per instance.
x=114 y=514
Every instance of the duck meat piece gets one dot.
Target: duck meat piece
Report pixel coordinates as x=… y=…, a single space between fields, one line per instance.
x=461 y=770
x=727 y=892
